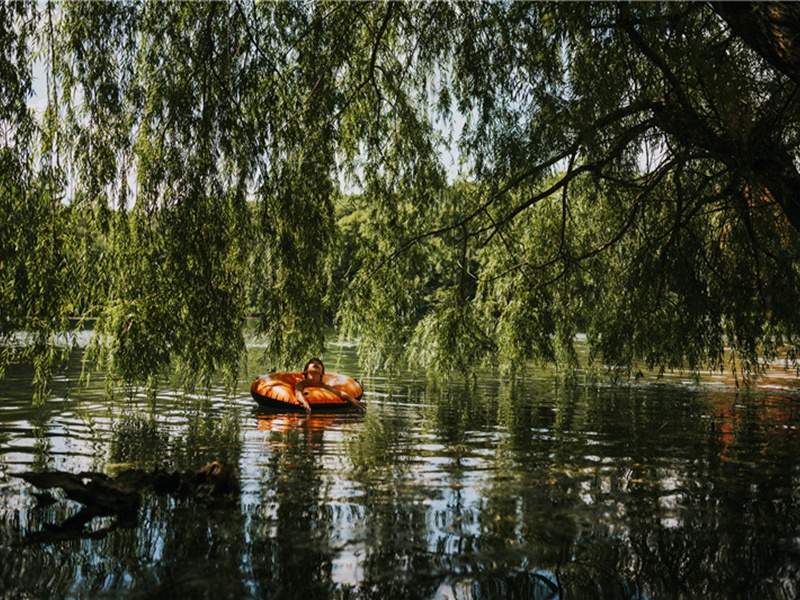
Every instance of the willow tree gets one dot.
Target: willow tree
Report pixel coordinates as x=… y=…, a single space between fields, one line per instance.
x=628 y=171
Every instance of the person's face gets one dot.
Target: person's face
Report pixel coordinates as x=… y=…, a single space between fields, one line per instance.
x=314 y=372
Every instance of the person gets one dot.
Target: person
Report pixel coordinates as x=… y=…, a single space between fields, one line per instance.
x=313 y=372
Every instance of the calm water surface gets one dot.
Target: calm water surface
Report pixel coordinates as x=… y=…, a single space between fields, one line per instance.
x=534 y=490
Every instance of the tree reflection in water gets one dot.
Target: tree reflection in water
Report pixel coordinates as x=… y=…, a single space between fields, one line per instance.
x=456 y=491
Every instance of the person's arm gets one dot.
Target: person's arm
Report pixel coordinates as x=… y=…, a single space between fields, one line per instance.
x=346 y=397
x=298 y=393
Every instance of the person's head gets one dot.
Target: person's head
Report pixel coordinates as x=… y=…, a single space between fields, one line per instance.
x=313 y=367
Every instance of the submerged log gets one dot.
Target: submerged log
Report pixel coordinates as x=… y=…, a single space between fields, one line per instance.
x=216 y=479
x=120 y=496
x=103 y=495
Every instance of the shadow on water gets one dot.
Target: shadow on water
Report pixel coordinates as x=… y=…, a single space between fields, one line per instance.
x=460 y=490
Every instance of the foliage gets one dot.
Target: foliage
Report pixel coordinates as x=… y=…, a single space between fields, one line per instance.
x=629 y=171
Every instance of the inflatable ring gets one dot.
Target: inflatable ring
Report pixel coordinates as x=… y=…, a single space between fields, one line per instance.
x=276 y=390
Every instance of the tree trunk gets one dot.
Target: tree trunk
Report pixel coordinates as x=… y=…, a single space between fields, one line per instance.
x=772 y=29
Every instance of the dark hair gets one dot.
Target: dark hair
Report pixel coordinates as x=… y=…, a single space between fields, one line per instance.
x=314 y=361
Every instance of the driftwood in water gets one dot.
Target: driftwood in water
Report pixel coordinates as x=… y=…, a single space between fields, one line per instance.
x=216 y=479
x=103 y=496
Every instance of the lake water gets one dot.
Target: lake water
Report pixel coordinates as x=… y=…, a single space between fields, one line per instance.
x=463 y=490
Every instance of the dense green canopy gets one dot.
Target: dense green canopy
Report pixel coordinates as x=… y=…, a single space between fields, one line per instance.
x=627 y=171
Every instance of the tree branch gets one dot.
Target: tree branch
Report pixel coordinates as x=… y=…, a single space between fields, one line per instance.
x=609 y=119
x=630 y=135
x=771 y=29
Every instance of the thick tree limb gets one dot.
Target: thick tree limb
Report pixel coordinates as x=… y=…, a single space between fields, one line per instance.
x=772 y=29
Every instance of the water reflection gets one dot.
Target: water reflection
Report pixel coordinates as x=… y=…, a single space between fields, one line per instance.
x=466 y=490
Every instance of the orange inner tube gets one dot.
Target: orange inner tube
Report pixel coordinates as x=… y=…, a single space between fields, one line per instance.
x=280 y=387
